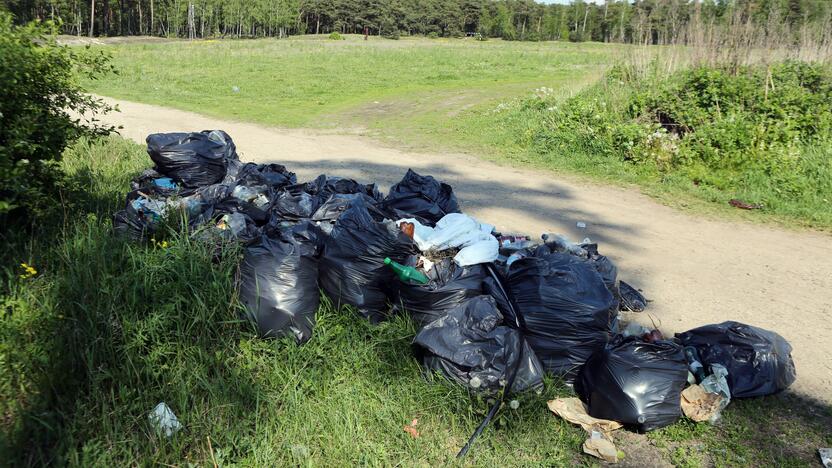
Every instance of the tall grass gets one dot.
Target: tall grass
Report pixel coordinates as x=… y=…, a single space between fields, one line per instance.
x=741 y=41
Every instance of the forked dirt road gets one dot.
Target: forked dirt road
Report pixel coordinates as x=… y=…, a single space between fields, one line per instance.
x=696 y=271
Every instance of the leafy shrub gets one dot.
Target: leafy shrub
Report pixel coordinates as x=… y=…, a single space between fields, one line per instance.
x=38 y=82
x=433 y=35
x=335 y=36
x=762 y=132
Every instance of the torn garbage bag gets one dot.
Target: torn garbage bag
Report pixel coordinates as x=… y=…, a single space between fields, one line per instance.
x=470 y=346
x=279 y=283
x=193 y=159
x=422 y=196
x=352 y=269
x=568 y=310
x=634 y=382
x=759 y=362
x=457 y=230
x=449 y=286
x=274 y=176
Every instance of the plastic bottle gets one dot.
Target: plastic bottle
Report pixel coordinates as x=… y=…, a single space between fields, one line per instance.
x=693 y=363
x=406 y=273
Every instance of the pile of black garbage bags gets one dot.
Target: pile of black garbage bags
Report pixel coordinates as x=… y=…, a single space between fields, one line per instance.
x=497 y=311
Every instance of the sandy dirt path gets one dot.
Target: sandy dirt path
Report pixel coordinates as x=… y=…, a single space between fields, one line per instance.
x=696 y=271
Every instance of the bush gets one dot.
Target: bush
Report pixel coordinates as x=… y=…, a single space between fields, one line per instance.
x=433 y=35
x=38 y=82
x=759 y=133
x=335 y=36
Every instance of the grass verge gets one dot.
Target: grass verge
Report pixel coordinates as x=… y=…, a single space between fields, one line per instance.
x=107 y=329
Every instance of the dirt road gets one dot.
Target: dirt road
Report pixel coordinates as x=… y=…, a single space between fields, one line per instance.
x=696 y=271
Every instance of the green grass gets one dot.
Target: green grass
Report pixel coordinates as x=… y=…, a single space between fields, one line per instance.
x=107 y=329
x=317 y=83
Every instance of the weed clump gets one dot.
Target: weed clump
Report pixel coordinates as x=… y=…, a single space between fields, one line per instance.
x=762 y=132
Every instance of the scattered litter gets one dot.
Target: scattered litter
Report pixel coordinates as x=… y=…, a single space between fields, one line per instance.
x=601 y=446
x=493 y=311
x=163 y=420
x=457 y=230
x=759 y=362
x=717 y=383
x=825 y=457
x=700 y=405
x=573 y=410
x=736 y=203
x=411 y=429
x=631 y=299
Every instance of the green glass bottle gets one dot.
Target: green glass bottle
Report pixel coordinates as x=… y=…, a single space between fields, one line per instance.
x=406 y=273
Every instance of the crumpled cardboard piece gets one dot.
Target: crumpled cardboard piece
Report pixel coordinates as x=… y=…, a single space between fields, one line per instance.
x=599 y=445
x=574 y=411
x=700 y=405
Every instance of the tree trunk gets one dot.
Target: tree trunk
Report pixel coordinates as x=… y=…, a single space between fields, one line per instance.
x=92 y=16
x=151 y=17
x=141 y=22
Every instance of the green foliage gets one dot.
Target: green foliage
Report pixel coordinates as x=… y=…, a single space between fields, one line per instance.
x=433 y=35
x=335 y=36
x=38 y=85
x=761 y=133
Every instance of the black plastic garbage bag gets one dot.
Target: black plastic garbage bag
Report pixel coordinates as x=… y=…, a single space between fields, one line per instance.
x=293 y=207
x=192 y=159
x=274 y=176
x=352 y=269
x=129 y=224
x=631 y=299
x=567 y=309
x=450 y=285
x=470 y=346
x=326 y=186
x=636 y=383
x=422 y=196
x=279 y=283
x=759 y=362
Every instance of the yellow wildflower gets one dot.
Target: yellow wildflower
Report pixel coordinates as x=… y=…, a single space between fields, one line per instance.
x=28 y=270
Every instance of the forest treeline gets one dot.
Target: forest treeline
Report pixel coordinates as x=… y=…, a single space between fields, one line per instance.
x=632 y=21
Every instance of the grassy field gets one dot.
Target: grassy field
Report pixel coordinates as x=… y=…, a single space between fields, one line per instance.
x=320 y=83
x=107 y=329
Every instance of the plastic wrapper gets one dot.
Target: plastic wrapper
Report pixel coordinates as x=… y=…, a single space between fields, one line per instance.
x=279 y=283
x=192 y=159
x=568 y=311
x=470 y=346
x=422 y=196
x=450 y=286
x=352 y=269
x=759 y=362
x=636 y=383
